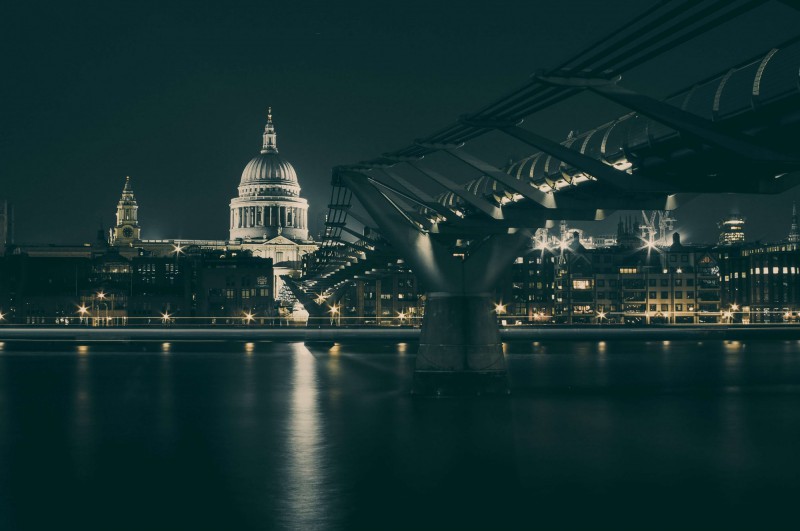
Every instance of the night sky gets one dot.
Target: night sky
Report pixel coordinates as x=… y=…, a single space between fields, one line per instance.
x=176 y=97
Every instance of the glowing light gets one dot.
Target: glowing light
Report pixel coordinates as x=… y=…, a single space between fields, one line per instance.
x=734 y=307
x=249 y=348
x=83 y=310
x=320 y=299
x=101 y=295
x=500 y=308
x=177 y=249
x=248 y=317
x=83 y=350
x=334 y=309
x=165 y=347
x=401 y=315
x=601 y=315
x=2 y=316
x=165 y=317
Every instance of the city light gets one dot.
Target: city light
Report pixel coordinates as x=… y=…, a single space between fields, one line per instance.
x=401 y=315
x=334 y=310
x=177 y=249
x=83 y=310
x=2 y=316
x=734 y=307
x=248 y=317
x=165 y=317
x=500 y=308
x=320 y=299
x=601 y=315
x=101 y=295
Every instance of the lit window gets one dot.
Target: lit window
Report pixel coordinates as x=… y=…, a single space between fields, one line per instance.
x=582 y=284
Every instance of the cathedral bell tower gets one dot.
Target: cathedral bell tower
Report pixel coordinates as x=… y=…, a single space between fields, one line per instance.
x=127 y=229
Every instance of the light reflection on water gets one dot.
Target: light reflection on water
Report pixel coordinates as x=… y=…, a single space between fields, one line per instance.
x=294 y=436
x=307 y=495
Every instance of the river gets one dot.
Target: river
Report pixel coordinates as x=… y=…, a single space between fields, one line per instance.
x=232 y=435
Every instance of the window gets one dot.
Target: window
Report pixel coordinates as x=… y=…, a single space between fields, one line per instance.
x=664 y=282
x=679 y=307
x=690 y=294
x=653 y=294
x=230 y=293
x=690 y=282
x=601 y=283
x=678 y=294
x=679 y=282
x=684 y=258
x=665 y=294
x=652 y=307
x=665 y=307
x=673 y=258
x=582 y=284
x=652 y=282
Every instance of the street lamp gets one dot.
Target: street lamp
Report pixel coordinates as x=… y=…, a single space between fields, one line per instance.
x=83 y=310
x=334 y=311
x=500 y=308
x=600 y=316
x=165 y=317
x=248 y=317
x=2 y=316
x=320 y=299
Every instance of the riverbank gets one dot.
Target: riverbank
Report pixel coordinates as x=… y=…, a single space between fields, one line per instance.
x=541 y=333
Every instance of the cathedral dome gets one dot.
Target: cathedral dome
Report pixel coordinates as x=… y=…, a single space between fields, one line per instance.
x=269 y=202
x=269 y=168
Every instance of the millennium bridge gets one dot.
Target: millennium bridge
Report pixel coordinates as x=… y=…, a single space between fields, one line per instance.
x=733 y=132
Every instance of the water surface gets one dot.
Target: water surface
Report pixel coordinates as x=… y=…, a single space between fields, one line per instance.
x=617 y=435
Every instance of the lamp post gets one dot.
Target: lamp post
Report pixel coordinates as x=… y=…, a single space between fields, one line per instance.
x=83 y=310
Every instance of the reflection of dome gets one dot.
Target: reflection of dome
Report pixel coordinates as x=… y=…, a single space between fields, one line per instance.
x=269 y=168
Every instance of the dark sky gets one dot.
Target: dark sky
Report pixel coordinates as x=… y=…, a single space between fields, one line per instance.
x=176 y=95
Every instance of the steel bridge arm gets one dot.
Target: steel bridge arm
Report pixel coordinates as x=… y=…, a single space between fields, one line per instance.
x=680 y=120
x=597 y=169
x=524 y=188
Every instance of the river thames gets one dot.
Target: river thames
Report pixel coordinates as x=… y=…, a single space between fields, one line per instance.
x=233 y=435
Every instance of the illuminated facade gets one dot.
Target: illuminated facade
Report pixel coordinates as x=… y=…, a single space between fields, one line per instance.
x=731 y=230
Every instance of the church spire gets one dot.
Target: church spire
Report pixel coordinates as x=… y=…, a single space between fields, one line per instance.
x=270 y=137
x=127 y=227
x=794 y=231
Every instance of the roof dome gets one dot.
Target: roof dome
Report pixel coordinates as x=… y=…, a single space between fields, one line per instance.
x=269 y=167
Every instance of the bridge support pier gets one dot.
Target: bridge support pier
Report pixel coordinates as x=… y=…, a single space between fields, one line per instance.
x=460 y=351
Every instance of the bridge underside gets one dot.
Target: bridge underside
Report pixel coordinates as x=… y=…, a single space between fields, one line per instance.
x=735 y=133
